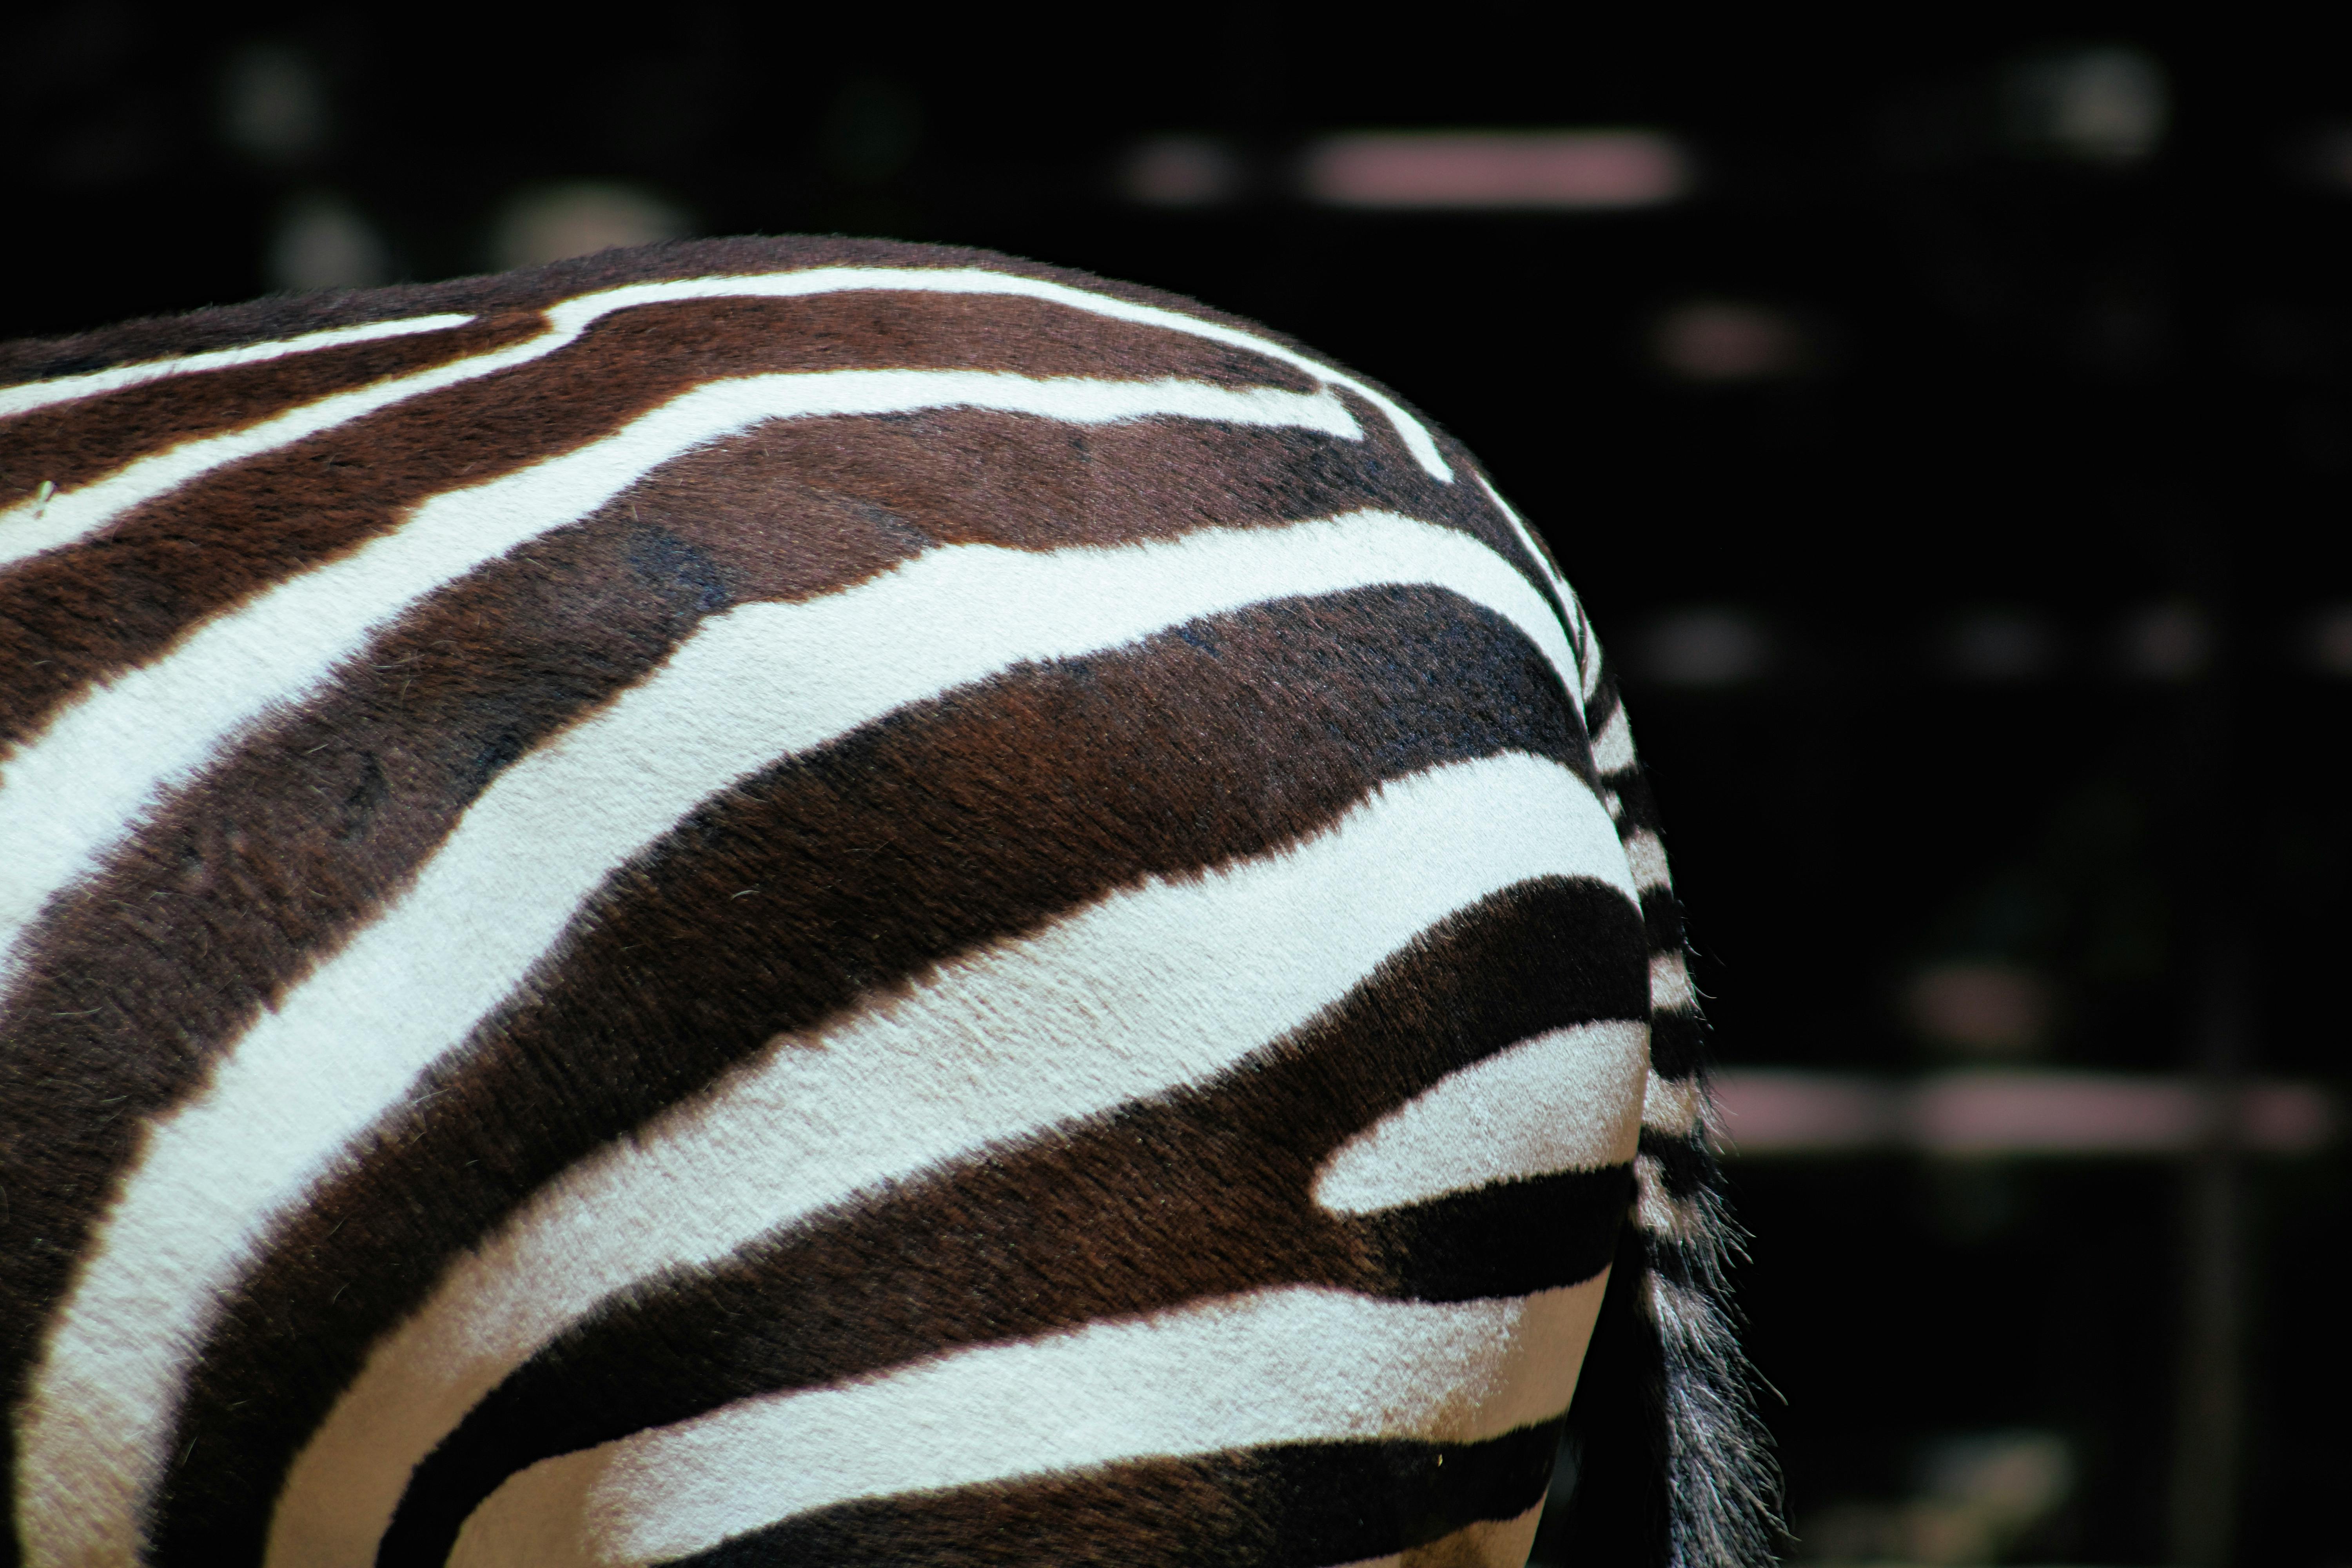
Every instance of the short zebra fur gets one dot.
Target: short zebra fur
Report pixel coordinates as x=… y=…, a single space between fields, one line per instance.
x=811 y=900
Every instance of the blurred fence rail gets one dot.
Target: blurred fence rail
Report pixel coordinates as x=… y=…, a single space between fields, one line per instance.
x=1768 y=1113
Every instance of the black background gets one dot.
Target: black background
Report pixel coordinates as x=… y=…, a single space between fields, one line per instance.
x=2063 y=389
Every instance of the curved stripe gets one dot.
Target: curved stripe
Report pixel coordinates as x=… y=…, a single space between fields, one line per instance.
x=30 y=528
x=1192 y=1194
x=1169 y=983
x=1670 y=984
x=1613 y=746
x=1648 y=858
x=215 y=544
x=1292 y=1505
x=1507 y=1238
x=876 y=859
x=79 y=786
x=1507 y=1118
x=1276 y=1366
x=751 y=685
x=1579 y=626
x=33 y=394
x=1673 y=1106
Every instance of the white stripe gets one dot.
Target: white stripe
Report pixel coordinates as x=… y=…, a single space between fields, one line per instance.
x=1647 y=855
x=1567 y=1100
x=1580 y=630
x=1669 y=984
x=1588 y=645
x=31 y=528
x=1170 y=982
x=753 y=685
x=23 y=399
x=1613 y=748
x=1278 y=1366
x=80 y=788
x=1655 y=1207
x=1671 y=1105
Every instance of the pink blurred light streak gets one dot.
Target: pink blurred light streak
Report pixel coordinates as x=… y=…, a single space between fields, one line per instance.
x=1558 y=170
x=2017 y=1113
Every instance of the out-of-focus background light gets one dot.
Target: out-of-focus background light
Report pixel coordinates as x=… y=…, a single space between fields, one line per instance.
x=273 y=104
x=1702 y=649
x=2331 y=641
x=2042 y=1115
x=1975 y=1498
x=579 y=219
x=1981 y=1008
x=1181 y=171
x=2100 y=106
x=1532 y=171
x=1997 y=644
x=2164 y=642
x=322 y=241
x=1722 y=342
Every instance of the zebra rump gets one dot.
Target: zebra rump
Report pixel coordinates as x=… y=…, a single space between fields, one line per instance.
x=823 y=901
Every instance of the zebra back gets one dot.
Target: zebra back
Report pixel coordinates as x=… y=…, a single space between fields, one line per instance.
x=640 y=897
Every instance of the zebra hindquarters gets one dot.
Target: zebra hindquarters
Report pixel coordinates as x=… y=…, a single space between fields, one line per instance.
x=1206 y=1137
x=894 y=911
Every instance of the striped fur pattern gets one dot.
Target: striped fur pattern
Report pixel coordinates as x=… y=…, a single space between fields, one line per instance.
x=822 y=901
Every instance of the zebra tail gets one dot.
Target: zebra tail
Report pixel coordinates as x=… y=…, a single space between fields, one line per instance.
x=1673 y=1466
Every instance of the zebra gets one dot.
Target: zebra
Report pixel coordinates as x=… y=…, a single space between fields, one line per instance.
x=822 y=900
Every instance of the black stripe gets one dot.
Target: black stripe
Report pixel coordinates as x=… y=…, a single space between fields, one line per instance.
x=1198 y=1192
x=239 y=879
x=134 y=979
x=1606 y=697
x=1508 y=1239
x=95 y=1092
x=537 y=287
x=1677 y=1042
x=1688 y=1166
x=1302 y=1505
x=1541 y=566
x=78 y=441
x=954 y=823
x=1637 y=802
x=1662 y=914
x=79 y=615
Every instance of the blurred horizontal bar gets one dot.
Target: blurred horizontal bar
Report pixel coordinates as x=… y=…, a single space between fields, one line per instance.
x=1715 y=646
x=1771 y=1111
x=1518 y=171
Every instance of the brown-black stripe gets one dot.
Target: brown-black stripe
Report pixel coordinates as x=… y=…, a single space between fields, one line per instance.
x=136 y=979
x=247 y=875
x=1203 y=1190
x=1293 y=1505
x=535 y=289
x=242 y=879
x=154 y=953
x=964 y=820
x=116 y=600
x=70 y=444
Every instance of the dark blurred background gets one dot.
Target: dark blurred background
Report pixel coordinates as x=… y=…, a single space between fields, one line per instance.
x=1947 y=426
